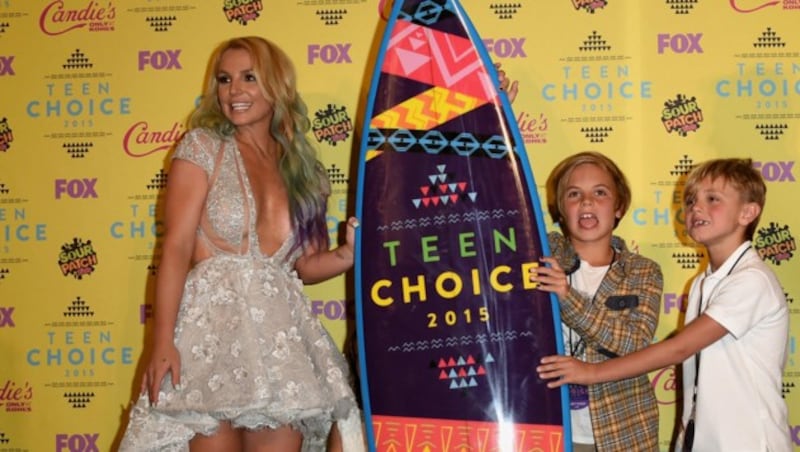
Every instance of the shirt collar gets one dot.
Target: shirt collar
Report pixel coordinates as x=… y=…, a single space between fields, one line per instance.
x=727 y=266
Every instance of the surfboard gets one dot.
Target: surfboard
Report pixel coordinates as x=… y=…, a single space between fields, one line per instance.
x=449 y=327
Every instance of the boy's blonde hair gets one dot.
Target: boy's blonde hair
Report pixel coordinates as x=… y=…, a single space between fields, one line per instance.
x=738 y=172
x=559 y=177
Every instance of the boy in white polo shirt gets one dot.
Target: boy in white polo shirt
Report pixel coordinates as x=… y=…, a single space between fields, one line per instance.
x=734 y=344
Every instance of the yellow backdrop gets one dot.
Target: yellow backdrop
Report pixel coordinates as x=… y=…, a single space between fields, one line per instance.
x=94 y=93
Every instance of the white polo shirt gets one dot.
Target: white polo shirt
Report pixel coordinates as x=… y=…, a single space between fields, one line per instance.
x=739 y=403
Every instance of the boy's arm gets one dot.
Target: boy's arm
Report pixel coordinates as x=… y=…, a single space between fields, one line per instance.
x=700 y=333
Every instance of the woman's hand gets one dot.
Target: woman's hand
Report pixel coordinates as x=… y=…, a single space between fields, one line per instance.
x=163 y=359
x=511 y=88
x=316 y=265
x=350 y=235
x=347 y=249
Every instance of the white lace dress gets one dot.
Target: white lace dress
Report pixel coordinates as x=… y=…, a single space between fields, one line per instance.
x=251 y=350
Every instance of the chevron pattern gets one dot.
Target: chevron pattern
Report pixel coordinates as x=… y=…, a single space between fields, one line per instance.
x=438 y=58
x=426 y=110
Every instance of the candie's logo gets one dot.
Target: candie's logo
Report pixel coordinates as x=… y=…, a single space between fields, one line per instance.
x=77 y=258
x=15 y=396
x=532 y=127
x=332 y=124
x=665 y=384
x=681 y=115
x=775 y=243
x=58 y=18
x=6 y=135
x=749 y=6
x=142 y=139
x=590 y=6
x=242 y=11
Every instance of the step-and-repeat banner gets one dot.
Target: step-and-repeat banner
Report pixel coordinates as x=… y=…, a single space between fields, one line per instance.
x=94 y=94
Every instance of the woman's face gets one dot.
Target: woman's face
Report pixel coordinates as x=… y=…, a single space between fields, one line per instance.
x=239 y=94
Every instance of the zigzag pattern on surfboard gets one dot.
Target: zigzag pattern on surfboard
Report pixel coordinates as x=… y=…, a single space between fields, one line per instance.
x=454 y=341
x=452 y=218
x=426 y=110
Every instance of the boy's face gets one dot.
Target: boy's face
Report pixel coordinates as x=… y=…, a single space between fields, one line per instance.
x=589 y=203
x=716 y=215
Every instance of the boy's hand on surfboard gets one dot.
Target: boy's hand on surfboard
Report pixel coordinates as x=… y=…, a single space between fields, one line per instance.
x=563 y=370
x=550 y=277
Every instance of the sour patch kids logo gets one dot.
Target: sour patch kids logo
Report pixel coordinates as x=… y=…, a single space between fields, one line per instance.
x=77 y=258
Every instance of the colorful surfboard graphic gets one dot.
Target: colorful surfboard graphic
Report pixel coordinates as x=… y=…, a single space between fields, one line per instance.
x=449 y=327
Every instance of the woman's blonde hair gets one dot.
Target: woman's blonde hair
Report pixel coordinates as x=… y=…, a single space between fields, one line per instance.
x=304 y=176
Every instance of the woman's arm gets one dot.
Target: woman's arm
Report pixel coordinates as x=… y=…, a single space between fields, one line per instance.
x=315 y=266
x=185 y=195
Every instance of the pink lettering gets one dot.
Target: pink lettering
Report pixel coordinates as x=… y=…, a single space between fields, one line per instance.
x=140 y=135
x=56 y=19
x=664 y=381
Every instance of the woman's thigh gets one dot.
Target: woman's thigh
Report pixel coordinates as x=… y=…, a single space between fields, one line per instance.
x=225 y=438
x=268 y=440
x=232 y=439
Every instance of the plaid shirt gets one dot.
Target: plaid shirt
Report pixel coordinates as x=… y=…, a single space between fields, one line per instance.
x=624 y=413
